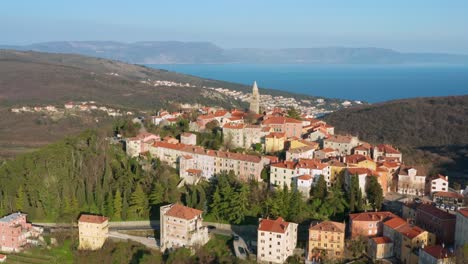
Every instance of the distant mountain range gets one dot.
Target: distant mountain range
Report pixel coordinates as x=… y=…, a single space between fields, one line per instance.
x=170 y=52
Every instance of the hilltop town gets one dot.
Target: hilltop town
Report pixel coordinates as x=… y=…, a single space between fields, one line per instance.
x=313 y=196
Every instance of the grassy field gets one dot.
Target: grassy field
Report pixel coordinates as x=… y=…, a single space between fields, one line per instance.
x=55 y=255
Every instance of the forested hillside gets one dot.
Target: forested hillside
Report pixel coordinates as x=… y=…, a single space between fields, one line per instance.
x=429 y=130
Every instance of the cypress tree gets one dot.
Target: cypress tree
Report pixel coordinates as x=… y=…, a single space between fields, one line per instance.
x=117 y=216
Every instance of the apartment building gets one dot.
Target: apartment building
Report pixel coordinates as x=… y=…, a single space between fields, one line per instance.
x=438 y=222
x=211 y=162
x=368 y=224
x=276 y=240
x=326 y=236
x=461 y=228
x=181 y=226
x=15 y=232
x=342 y=144
x=188 y=139
x=134 y=146
x=93 y=231
x=290 y=126
x=386 y=152
x=274 y=142
x=439 y=183
x=284 y=173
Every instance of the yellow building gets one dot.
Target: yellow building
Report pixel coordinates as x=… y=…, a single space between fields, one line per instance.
x=327 y=237
x=298 y=143
x=93 y=231
x=361 y=161
x=274 y=142
x=337 y=169
x=380 y=248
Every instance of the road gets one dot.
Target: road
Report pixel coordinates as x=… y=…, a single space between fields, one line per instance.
x=240 y=247
x=150 y=243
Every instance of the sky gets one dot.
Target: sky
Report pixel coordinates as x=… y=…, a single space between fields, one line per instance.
x=404 y=25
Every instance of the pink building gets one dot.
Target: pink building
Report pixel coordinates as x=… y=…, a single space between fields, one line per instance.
x=290 y=126
x=14 y=232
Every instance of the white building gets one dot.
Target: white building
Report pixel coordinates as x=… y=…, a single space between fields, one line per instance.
x=188 y=139
x=139 y=144
x=181 y=226
x=276 y=240
x=283 y=174
x=411 y=181
x=303 y=184
x=439 y=184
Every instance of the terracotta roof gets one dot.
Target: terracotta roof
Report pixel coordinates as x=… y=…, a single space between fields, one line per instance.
x=180 y=211
x=356 y=158
x=359 y=171
x=327 y=150
x=395 y=222
x=276 y=226
x=305 y=177
x=372 y=216
x=440 y=176
x=438 y=252
x=410 y=231
x=194 y=171
x=361 y=147
x=328 y=226
x=220 y=113
x=276 y=135
x=463 y=211
x=208 y=116
x=281 y=120
x=285 y=165
x=234 y=126
x=448 y=195
x=382 y=240
x=266 y=129
x=387 y=149
x=435 y=212
x=94 y=219
x=404 y=170
x=301 y=149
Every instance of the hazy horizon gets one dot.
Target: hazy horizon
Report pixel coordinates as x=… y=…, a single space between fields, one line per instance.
x=416 y=26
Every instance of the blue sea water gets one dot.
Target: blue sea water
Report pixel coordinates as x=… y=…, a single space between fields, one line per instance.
x=371 y=83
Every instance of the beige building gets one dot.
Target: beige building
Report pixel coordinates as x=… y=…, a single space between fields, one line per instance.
x=461 y=229
x=326 y=236
x=380 y=248
x=188 y=139
x=181 y=226
x=342 y=144
x=276 y=240
x=93 y=231
x=411 y=181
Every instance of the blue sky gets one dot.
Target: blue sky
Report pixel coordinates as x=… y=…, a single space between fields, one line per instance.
x=405 y=25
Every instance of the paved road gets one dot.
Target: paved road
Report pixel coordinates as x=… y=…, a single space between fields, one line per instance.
x=240 y=247
x=150 y=243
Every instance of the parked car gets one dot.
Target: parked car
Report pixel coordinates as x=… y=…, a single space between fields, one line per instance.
x=235 y=237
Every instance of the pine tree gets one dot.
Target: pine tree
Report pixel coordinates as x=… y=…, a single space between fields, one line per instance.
x=117 y=216
x=374 y=193
x=139 y=202
x=156 y=196
x=215 y=206
x=20 y=199
x=109 y=205
x=319 y=191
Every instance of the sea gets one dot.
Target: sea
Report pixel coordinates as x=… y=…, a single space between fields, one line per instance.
x=370 y=83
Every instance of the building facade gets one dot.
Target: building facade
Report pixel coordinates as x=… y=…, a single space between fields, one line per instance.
x=368 y=224
x=438 y=222
x=255 y=100
x=181 y=226
x=14 y=232
x=276 y=240
x=461 y=229
x=326 y=236
x=93 y=231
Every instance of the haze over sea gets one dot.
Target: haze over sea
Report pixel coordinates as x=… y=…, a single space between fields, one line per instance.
x=371 y=83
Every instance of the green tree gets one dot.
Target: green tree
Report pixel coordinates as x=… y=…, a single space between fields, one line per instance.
x=374 y=193
x=157 y=194
x=139 y=202
x=20 y=199
x=319 y=190
x=117 y=206
x=109 y=206
x=294 y=113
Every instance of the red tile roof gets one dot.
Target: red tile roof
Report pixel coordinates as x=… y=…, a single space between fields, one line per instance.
x=180 y=211
x=281 y=120
x=194 y=171
x=305 y=177
x=94 y=219
x=463 y=211
x=410 y=231
x=382 y=240
x=234 y=126
x=395 y=222
x=340 y=139
x=356 y=158
x=438 y=252
x=435 y=212
x=276 y=226
x=372 y=216
x=276 y=135
x=387 y=149
x=448 y=195
x=328 y=226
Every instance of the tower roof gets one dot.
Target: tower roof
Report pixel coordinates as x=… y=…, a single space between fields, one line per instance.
x=255 y=86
